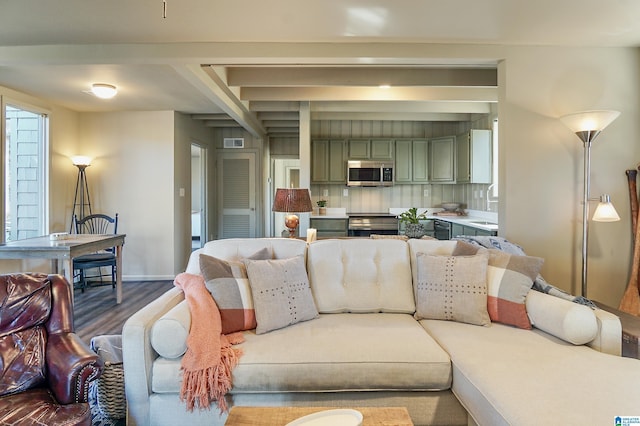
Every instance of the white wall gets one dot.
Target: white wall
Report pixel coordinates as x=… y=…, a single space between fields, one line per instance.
x=132 y=174
x=541 y=160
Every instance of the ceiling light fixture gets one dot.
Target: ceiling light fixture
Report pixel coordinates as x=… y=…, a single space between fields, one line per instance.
x=104 y=91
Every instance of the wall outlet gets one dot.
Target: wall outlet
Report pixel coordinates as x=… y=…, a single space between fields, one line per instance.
x=426 y=192
x=181 y=192
x=325 y=192
x=345 y=192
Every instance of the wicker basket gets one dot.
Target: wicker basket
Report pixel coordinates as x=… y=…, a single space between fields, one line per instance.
x=109 y=388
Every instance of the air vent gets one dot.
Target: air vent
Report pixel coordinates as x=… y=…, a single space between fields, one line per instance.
x=234 y=142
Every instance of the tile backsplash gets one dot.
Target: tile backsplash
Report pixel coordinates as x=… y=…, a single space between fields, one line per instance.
x=380 y=199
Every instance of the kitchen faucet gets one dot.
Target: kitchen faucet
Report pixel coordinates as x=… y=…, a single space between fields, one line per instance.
x=489 y=200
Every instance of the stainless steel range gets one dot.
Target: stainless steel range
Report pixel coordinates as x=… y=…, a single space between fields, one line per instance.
x=365 y=224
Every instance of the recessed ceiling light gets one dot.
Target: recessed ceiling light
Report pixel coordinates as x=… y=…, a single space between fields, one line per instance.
x=384 y=86
x=104 y=91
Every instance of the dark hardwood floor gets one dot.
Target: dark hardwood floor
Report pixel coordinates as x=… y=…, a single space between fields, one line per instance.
x=96 y=311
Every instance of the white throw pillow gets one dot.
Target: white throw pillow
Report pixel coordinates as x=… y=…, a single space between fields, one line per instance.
x=569 y=321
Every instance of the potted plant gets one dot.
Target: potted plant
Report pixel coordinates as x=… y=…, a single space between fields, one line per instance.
x=411 y=220
x=322 y=207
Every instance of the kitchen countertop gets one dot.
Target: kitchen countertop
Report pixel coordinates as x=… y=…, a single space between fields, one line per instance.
x=473 y=221
x=477 y=219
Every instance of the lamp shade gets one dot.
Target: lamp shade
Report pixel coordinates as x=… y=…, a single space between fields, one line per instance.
x=596 y=120
x=81 y=160
x=292 y=200
x=605 y=212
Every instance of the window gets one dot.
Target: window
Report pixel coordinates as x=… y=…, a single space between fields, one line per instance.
x=25 y=174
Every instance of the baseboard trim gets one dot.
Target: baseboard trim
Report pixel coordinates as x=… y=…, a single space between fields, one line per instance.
x=148 y=277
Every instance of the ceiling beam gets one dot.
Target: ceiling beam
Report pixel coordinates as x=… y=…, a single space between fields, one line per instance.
x=266 y=76
x=211 y=85
x=481 y=94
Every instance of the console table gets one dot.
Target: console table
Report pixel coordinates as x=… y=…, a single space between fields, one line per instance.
x=62 y=252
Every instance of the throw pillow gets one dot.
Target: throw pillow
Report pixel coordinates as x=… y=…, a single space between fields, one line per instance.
x=509 y=279
x=463 y=248
x=452 y=288
x=228 y=283
x=281 y=293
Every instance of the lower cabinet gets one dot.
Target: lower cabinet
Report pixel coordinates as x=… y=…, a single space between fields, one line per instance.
x=330 y=228
x=458 y=229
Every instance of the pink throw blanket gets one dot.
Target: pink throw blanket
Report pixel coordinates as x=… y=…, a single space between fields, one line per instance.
x=209 y=359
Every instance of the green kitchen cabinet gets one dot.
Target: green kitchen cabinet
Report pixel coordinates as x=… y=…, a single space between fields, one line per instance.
x=420 y=161
x=403 y=167
x=370 y=149
x=442 y=159
x=411 y=161
x=474 y=157
x=328 y=161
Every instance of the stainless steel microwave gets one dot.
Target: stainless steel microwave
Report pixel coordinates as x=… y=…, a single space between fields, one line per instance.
x=369 y=173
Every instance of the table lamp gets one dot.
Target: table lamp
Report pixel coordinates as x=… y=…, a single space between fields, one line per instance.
x=292 y=200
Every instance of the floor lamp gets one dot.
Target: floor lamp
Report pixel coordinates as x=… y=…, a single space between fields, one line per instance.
x=81 y=198
x=587 y=125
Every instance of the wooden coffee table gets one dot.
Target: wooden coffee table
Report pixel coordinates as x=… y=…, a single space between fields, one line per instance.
x=280 y=416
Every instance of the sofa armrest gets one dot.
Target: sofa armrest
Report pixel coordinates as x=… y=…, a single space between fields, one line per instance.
x=609 y=337
x=138 y=354
x=71 y=366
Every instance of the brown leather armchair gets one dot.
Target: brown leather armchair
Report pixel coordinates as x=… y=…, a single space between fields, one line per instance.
x=45 y=369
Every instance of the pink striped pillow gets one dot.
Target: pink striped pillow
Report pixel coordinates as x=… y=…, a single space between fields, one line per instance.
x=509 y=279
x=228 y=283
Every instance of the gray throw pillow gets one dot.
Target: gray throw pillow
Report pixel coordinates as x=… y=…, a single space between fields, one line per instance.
x=281 y=293
x=452 y=288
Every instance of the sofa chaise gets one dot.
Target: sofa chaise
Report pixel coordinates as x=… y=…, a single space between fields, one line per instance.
x=371 y=344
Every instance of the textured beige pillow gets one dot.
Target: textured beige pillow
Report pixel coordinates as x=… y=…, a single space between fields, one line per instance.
x=452 y=288
x=281 y=293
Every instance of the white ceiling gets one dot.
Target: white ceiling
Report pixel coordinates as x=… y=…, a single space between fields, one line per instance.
x=55 y=50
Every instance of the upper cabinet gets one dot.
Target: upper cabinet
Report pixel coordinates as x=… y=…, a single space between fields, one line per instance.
x=328 y=161
x=370 y=149
x=473 y=157
x=442 y=159
x=411 y=161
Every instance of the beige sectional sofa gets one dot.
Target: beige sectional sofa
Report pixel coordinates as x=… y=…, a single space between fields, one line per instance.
x=365 y=348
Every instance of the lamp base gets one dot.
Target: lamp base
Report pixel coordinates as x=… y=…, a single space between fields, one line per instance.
x=291 y=221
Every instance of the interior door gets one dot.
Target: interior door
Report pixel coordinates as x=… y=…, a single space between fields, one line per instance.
x=237 y=197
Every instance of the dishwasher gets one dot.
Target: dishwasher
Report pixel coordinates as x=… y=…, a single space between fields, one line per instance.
x=442 y=229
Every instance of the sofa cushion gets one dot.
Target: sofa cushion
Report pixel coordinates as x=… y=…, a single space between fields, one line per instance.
x=333 y=353
x=361 y=275
x=509 y=280
x=452 y=288
x=281 y=292
x=505 y=375
x=228 y=283
x=569 y=321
